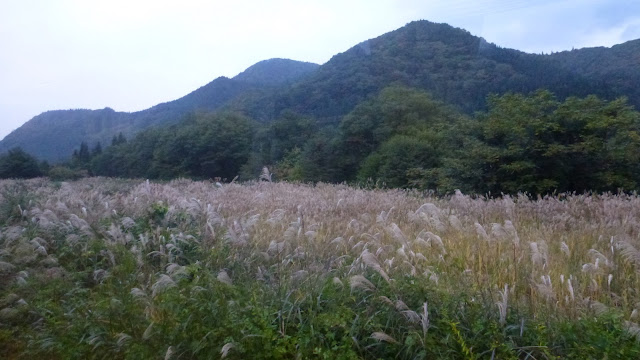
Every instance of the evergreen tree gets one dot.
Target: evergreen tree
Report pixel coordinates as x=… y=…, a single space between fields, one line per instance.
x=18 y=164
x=97 y=150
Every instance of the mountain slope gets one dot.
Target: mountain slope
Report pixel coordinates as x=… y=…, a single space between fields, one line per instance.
x=455 y=66
x=616 y=69
x=275 y=72
x=53 y=135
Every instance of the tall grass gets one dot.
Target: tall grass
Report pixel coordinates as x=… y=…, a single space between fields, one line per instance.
x=103 y=268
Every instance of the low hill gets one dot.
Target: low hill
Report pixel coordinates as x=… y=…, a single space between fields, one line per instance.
x=53 y=135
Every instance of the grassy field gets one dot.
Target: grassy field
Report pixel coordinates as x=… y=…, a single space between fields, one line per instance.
x=117 y=269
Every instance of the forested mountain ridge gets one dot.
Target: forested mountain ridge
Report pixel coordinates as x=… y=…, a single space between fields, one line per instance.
x=450 y=63
x=617 y=69
x=275 y=72
x=53 y=135
x=454 y=66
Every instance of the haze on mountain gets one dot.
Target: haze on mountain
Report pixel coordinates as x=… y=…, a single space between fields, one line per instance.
x=450 y=63
x=53 y=135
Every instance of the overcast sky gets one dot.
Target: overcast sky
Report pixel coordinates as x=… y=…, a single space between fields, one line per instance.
x=132 y=54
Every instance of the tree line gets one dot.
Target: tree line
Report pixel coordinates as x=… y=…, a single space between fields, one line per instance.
x=402 y=138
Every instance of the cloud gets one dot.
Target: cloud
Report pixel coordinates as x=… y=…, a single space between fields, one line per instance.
x=628 y=29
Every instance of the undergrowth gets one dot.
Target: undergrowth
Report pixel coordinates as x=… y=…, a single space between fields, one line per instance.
x=100 y=269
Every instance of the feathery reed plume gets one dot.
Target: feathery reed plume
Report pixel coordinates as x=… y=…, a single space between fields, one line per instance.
x=632 y=329
x=148 y=332
x=169 y=353
x=431 y=275
x=630 y=253
x=598 y=307
x=384 y=215
x=565 y=249
x=599 y=257
x=100 y=275
x=386 y=300
x=482 y=233
x=6 y=267
x=536 y=256
x=400 y=305
x=299 y=275
x=411 y=316
x=225 y=350
x=359 y=282
x=394 y=231
x=138 y=293
x=498 y=232
x=9 y=314
x=511 y=230
x=9 y=299
x=503 y=304
x=265 y=175
x=381 y=336
x=122 y=339
x=455 y=222
x=570 y=288
x=163 y=283
x=546 y=287
x=435 y=239
x=224 y=278
x=424 y=319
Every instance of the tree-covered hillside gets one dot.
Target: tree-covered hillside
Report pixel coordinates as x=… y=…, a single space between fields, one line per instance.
x=402 y=138
x=53 y=135
x=275 y=72
x=452 y=65
x=616 y=69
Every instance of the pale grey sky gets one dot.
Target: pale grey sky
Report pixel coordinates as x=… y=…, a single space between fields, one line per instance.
x=133 y=54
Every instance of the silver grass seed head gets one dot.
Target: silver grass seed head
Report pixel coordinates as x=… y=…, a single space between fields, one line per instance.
x=381 y=336
x=359 y=282
x=226 y=349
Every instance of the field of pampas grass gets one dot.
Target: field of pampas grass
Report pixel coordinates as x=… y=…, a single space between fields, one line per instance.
x=122 y=269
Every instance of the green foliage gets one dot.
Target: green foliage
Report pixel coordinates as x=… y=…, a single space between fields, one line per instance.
x=81 y=158
x=17 y=164
x=278 y=145
x=64 y=173
x=537 y=144
x=275 y=72
x=405 y=138
x=289 y=168
x=392 y=161
x=204 y=146
x=14 y=199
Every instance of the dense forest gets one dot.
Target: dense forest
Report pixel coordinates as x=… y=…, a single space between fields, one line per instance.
x=402 y=138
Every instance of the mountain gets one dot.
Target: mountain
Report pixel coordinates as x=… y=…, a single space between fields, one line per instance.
x=450 y=63
x=455 y=66
x=616 y=68
x=275 y=72
x=53 y=135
